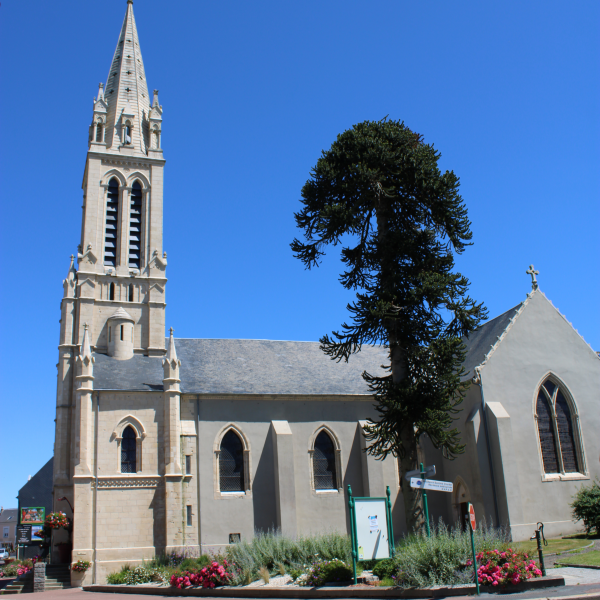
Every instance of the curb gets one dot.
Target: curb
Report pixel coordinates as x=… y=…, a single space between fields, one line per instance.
x=577 y=566
x=323 y=592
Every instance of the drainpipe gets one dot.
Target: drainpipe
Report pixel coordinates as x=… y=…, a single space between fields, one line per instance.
x=477 y=380
x=198 y=471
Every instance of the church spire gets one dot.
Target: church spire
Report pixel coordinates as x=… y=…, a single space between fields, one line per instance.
x=126 y=93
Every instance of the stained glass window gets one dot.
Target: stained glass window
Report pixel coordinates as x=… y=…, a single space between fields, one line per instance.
x=324 y=463
x=555 y=421
x=128 y=451
x=231 y=463
x=547 y=437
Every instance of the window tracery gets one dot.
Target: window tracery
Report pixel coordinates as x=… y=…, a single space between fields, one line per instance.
x=558 y=432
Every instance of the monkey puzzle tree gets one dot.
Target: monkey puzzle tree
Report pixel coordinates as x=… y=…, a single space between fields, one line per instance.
x=378 y=191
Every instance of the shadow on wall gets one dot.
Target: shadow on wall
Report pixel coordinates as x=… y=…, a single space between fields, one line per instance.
x=263 y=489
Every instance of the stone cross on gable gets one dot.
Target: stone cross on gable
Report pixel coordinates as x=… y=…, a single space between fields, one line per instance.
x=531 y=271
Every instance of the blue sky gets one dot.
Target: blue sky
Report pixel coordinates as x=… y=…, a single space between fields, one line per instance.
x=509 y=93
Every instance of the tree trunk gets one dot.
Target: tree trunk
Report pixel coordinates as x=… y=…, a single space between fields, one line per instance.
x=413 y=501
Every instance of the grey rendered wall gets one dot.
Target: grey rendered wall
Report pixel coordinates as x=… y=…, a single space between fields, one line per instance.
x=257 y=510
x=541 y=342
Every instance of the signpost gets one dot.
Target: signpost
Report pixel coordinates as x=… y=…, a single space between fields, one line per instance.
x=371 y=528
x=423 y=484
x=472 y=527
x=429 y=472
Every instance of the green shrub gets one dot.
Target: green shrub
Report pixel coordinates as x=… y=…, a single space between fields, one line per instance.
x=384 y=568
x=191 y=563
x=270 y=549
x=586 y=507
x=142 y=574
x=442 y=558
x=327 y=571
x=116 y=578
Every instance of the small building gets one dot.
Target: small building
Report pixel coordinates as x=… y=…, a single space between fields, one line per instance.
x=36 y=494
x=9 y=518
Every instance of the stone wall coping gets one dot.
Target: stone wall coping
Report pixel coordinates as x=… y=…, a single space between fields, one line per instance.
x=285 y=593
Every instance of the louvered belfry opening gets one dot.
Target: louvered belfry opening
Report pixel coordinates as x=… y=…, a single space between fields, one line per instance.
x=128 y=451
x=555 y=420
x=112 y=223
x=135 y=226
x=324 y=471
x=231 y=463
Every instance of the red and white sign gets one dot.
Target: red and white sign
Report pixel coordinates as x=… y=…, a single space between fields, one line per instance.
x=472 y=517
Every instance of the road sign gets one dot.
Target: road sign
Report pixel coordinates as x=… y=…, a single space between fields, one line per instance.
x=429 y=472
x=431 y=484
x=472 y=517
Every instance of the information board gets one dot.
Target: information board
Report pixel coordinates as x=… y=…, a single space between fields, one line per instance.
x=431 y=484
x=23 y=534
x=372 y=529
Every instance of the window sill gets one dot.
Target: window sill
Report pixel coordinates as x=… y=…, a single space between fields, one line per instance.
x=332 y=491
x=564 y=477
x=232 y=494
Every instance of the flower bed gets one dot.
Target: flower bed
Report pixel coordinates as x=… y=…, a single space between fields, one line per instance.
x=211 y=576
x=505 y=567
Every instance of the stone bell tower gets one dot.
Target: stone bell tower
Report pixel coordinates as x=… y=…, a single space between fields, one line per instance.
x=116 y=288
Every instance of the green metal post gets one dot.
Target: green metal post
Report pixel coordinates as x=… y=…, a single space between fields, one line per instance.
x=390 y=523
x=353 y=532
x=425 y=502
x=474 y=557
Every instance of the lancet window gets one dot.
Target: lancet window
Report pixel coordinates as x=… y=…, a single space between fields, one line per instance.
x=323 y=459
x=112 y=223
x=128 y=451
x=231 y=463
x=135 y=226
x=558 y=432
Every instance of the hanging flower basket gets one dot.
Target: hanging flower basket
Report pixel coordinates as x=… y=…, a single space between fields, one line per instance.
x=57 y=520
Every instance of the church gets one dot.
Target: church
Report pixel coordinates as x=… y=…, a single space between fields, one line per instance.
x=165 y=443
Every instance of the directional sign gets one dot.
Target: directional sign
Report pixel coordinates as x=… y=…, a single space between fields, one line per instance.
x=431 y=484
x=472 y=517
x=429 y=472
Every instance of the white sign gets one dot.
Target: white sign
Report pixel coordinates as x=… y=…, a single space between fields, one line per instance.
x=431 y=484
x=371 y=529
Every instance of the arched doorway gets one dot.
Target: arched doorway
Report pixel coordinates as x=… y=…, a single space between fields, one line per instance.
x=461 y=500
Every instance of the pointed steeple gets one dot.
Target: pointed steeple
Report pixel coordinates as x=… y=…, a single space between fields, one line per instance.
x=86 y=351
x=127 y=92
x=171 y=352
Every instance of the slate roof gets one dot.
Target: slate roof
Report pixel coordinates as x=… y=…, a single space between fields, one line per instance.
x=483 y=338
x=215 y=366
x=219 y=366
x=9 y=515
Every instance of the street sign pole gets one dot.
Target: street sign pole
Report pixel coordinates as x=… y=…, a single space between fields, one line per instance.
x=423 y=475
x=353 y=533
x=472 y=525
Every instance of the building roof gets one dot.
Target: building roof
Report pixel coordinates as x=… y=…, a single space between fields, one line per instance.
x=215 y=366
x=121 y=313
x=9 y=515
x=480 y=341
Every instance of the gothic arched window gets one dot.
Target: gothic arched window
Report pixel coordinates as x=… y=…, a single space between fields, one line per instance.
x=231 y=463
x=99 y=131
x=128 y=451
x=323 y=459
x=559 y=440
x=135 y=225
x=111 y=291
x=111 y=227
x=130 y=292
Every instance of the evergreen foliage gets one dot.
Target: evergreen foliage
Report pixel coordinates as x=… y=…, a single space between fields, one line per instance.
x=586 y=507
x=378 y=191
